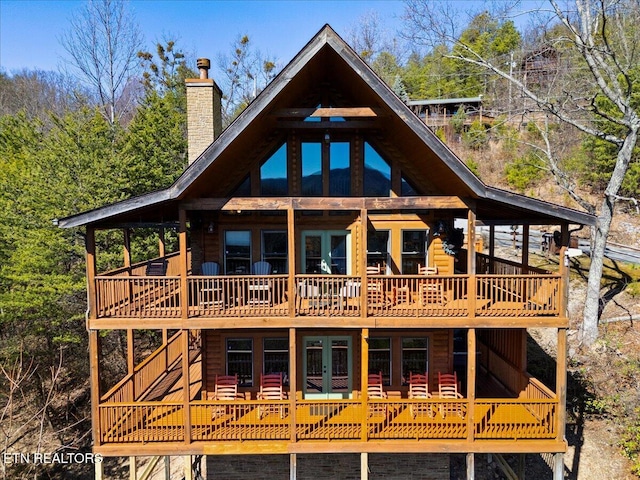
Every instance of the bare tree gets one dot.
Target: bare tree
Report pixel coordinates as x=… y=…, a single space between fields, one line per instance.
x=103 y=42
x=594 y=96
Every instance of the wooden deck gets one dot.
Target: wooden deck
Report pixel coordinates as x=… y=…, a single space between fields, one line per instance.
x=397 y=296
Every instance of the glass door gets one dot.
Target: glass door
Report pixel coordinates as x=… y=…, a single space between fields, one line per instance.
x=326 y=251
x=327 y=367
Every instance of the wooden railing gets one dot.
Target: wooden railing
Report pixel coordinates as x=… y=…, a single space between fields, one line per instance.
x=330 y=295
x=500 y=266
x=136 y=384
x=238 y=296
x=155 y=365
x=244 y=420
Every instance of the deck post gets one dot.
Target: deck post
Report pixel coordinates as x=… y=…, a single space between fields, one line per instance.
x=293 y=466
x=133 y=469
x=471 y=382
x=293 y=376
x=291 y=242
x=525 y=248
x=186 y=387
x=471 y=261
x=167 y=467
x=188 y=471
x=558 y=466
x=471 y=468
x=131 y=362
x=161 y=243
x=364 y=466
x=98 y=469
x=94 y=367
x=561 y=383
x=90 y=247
x=364 y=380
x=126 y=251
x=184 y=284
x=492 y=247
x=363 y=262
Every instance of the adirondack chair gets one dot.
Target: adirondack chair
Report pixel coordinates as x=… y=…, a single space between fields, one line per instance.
x=226 y=389
x=259 y=291
x=419 y=390
x=271 y=389
x=448 y=388
x=211 y=292
x=375 y=390
x=430 y=290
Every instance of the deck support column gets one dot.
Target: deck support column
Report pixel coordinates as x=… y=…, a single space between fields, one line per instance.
x=133 y=469
x=94 y=368
x=293 y=376
x=558 y=466
x=561 y=383
x=471 y=260
x=188 y=471
x=471 y=467
x=98 y=469
x=167 y=467
x=184 y=284
x=363 y=262
x=126 y=252
x=525 y=248
x=364 y=466
x=293 y=466
x=131 y=361
x=161 y=243
x=471 y=382
x=492 y=247
x=364 y=380
x=291 y=242
x=186 y=387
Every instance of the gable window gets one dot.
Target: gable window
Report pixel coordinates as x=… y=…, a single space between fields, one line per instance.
x=377 y=173
x=406 y=188
x=273 y=174
x=414 y=250
x=274 y=250
x=415 y=357
x=311 y=169
x=237 y=252
x=339 y=169
x=240 y=360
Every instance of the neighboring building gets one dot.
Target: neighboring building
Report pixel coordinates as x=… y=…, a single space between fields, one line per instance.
x=304 y=232
x=440 y=111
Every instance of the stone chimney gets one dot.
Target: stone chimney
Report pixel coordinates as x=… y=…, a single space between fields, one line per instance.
x=204 y=110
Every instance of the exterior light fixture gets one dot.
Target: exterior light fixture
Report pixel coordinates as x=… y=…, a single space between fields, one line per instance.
x=211 y=228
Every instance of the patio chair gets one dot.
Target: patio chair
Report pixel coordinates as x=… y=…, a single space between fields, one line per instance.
x=430 y=289
x=375 y=287
x=350 y=289
x=419 y=390
x=259 y=291
x=308 y=290
x=376 y=391
x=448 y=388
x=211 y=292
x=271 y=389
x=226 y=389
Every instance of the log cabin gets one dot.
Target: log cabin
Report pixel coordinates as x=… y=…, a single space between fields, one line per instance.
x=319 y=247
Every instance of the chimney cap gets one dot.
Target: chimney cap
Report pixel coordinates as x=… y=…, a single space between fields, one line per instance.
x=204 y=64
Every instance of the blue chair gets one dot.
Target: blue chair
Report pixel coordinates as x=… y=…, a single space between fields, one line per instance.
x=261 y=268
x=210 y=268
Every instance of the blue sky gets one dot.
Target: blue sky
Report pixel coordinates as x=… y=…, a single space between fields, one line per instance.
x=30 y=29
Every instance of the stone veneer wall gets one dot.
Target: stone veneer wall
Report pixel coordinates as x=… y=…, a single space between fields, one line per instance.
x=204 y=115
x=329 y=466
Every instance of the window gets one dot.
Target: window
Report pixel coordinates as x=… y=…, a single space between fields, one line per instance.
x=340 y=169
x=276 y=357
x=377 y=173
x=378 y=249
x=406 y=188
x=338 y=254
x=240 y=360
x=274 y=250
x=414 y=250
x=380 y=358
x=311 y=168
x=273 y=173
x=415 y=357
x=237 y=252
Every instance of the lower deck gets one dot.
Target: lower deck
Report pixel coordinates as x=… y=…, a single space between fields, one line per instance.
x=163 y=420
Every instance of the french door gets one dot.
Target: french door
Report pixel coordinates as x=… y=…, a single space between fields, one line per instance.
x=327 y=367
x=326 y=251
